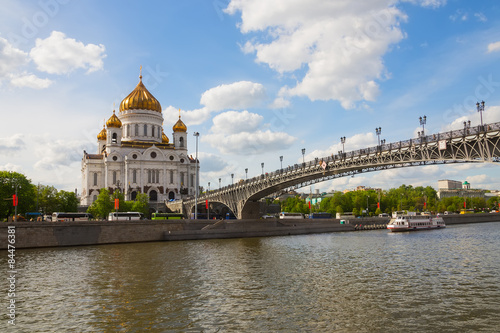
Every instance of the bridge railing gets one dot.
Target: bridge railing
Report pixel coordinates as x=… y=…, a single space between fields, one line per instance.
x=299 y=168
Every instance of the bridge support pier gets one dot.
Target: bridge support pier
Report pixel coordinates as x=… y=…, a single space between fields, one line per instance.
x=250 y=210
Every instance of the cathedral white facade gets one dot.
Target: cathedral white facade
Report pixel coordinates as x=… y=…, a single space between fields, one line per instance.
x=135 y=156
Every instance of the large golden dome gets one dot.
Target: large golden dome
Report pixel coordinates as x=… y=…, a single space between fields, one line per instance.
x=102 y=134
x=140 y=99
x=113 y=121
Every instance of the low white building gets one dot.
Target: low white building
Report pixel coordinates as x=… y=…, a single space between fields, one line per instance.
x=135 y=156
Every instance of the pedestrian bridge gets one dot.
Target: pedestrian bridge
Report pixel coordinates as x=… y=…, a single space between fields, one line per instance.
x=470 y=145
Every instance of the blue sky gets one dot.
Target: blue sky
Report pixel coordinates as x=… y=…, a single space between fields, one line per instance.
x=257 y=79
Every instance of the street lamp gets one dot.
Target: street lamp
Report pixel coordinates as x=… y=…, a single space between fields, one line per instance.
x=423 y=121
x=232 y=179
x=466 y=127
x=378 y=131
x=480 y=109
x=303 y=153
x=208 y=205
x=196 y=134
x=281 y=161
x=246 y=173
x=219 y=183
x=342 y=140
x=262 y=165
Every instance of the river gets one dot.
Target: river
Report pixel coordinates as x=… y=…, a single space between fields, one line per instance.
x=368 y=281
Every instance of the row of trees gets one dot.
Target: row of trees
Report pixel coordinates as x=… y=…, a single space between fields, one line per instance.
x=105 y=204
x=406 y=197
x=32 y=198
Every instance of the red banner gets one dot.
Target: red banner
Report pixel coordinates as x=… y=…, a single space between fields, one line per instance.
x=206 y=204
x=117 y=203
x=425 y=204
x=309 y=204
x=465 y=204
x=378 y=205
x=15 y=200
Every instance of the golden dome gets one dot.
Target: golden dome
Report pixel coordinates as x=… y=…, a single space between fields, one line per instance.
x=141 y=99
x=179 y=125
x=164 y=138
x=102 y=134
x=113 y=121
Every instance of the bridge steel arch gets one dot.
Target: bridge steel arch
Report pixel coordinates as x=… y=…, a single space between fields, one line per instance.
x=470 y=145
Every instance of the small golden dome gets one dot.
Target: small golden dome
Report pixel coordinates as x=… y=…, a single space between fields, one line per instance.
x=179 y=125
x=113 y=121
x=102 y=134
x=141 y=99
x=164 y=138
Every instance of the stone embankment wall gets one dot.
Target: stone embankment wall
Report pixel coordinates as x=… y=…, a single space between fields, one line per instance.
x=49 y=234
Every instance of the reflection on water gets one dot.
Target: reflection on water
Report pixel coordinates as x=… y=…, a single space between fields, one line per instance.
x=371 y=281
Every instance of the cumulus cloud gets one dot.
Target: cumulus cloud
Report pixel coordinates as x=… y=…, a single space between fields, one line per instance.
x=53 y=154
x=211 y=162
x=58 y=54
x=338 y=44
x=494 y=47
x=30 y=81
x=12 y=144
x=237 y=96
x=11 y=167
x=189 y=117
x=241 y=133
x=10 y=58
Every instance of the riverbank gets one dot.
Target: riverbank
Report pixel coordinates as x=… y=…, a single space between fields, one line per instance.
x=49 y=234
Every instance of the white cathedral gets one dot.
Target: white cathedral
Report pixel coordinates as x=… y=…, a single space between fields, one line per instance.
x=135 y=156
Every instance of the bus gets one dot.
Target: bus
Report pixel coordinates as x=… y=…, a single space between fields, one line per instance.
x=70 y=217
x=320 y=215
x=125 y=216
x=285 y=215
x=33 y=216
x=167 y=216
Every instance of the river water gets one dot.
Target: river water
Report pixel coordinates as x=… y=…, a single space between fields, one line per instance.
x=369 y=281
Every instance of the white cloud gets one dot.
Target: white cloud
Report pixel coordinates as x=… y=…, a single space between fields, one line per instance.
x=12 y=145
x=428 y=3
x=480 y=17
x=58 y=54
x=233 y=122
x=338 y=43
x=241 y=133
x=11 y=167
x=238 y=95
x=494 y=47
x=11 y=59
x=30 y=81
x=211 y=163
x=189 y=117
x=53 y=154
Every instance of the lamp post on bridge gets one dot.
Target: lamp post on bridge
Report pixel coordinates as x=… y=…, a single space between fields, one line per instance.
x=208 y=204
x=423 y=121
x=196 y=134
x=281 y=162
x=378 y=131
x=303 y=153
x=246 y=173
x=342 y=140
x=232 y=179
x=219 y=183
x=480 y=109
x=262 y=165
x=466 y=127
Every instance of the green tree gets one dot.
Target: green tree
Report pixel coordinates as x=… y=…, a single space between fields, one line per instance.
x=141 y=204
x=102 y=206
x=26 y=193
x=67 y=201
x=47 y=199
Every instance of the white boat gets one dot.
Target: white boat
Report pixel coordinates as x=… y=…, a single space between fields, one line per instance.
x=415 y=222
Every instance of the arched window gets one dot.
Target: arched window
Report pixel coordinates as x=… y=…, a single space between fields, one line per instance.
x=128 y=131
x=181 y=142
x=133 y=195
x=114 y=138
x=114 y=177
x=182 y=178
x=145 y=130
x=95 y=178
x=171 y=196
x=94 y=198
x=153 y=196
x=153 y=131
x=149 y=176
x=134 y=176
x=171 y=176
x=136 y=130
